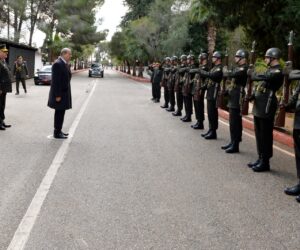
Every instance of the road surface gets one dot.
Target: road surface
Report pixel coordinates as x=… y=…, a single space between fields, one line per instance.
x=133 y=177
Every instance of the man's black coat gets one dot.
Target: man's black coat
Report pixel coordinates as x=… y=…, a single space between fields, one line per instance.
x=60 y=86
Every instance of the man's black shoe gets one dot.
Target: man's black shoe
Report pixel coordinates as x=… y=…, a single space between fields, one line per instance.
x=65 y=134
x=295 y=190
x=298 y=198
x=6 y=125
x=211 y=136
x=183 y=118
x=165 y=106
x=263 y=166
x=60 y=136
x=2 y=127
x=253 y=164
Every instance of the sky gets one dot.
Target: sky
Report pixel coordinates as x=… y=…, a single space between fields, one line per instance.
x=111 y=13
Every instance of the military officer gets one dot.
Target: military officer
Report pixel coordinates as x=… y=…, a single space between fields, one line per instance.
x=5 y=84
x=187 y=89
x=294 y=105
x=171 y=83
x=165 y=79
x=179 y=83
x=157 y=77
x=198 y=91
x=264 y=108
x=214 y=76
x=236 y=92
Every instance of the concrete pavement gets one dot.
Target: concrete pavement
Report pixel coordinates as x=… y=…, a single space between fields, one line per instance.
x=137 y=178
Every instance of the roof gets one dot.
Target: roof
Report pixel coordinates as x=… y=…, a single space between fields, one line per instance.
x=17 y=45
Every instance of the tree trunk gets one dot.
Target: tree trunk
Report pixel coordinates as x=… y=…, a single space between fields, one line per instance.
x=134 y=69
x=33 y=19
x=141 y=69
x=211 y=36
x=128 y=68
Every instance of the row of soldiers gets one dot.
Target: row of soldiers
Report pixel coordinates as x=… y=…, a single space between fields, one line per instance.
x=186 y=82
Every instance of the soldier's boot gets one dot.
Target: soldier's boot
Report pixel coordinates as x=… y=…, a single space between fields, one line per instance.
x=263 y=166
x=198 y=125
x=170 y=109
x=254 y=163
x=187 y=119
x=295 y=190
x=205 y=134
x=212 y=135
x=165 y=106
x=195 y=125
x=177 y=113
x=234 y=148
x=227 y=146
x=183 y=118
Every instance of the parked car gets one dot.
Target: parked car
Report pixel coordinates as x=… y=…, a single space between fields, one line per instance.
x=96 y=70
x=43 y=76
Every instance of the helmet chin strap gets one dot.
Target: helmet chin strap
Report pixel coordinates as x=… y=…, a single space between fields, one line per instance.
x=271 y=60
x=238 y=62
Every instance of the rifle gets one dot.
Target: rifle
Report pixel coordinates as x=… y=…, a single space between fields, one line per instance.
x=280 y=119
x=245 y=109
x=223 y=87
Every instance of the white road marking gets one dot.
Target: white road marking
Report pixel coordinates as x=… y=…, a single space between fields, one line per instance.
x=24 y=229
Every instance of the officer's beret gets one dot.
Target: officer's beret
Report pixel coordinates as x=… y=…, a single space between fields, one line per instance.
x=3 y=48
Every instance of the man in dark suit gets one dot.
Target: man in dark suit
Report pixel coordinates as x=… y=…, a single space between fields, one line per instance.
x=60 y=97
x=5 y=85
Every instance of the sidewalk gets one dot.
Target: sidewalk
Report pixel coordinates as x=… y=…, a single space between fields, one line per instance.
x=281 y=135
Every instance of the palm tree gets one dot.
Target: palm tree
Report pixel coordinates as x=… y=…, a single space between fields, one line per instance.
x=201 y=11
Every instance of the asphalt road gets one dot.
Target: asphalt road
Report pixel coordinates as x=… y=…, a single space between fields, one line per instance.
x=134 y=177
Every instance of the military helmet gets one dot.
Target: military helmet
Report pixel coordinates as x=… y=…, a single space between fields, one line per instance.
x=217 y=54
x=242 y=53
x=167 y=59
x=174 y=58
x=273 y=53
x=183 y=58
x=203 y=56
x=191 y=57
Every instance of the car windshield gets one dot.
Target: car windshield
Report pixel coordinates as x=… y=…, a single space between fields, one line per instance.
x=94 y=65
x=46 y=69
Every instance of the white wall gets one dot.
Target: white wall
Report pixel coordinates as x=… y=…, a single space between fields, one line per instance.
x=38 y=60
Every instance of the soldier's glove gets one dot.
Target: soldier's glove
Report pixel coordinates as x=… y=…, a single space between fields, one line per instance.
x=250 y=71
x=250 y=98
x=226 y=93
x=288 y=68
x=226 y=71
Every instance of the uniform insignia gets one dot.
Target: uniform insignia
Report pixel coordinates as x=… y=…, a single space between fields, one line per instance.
x=241 y=69
x=277 y=71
